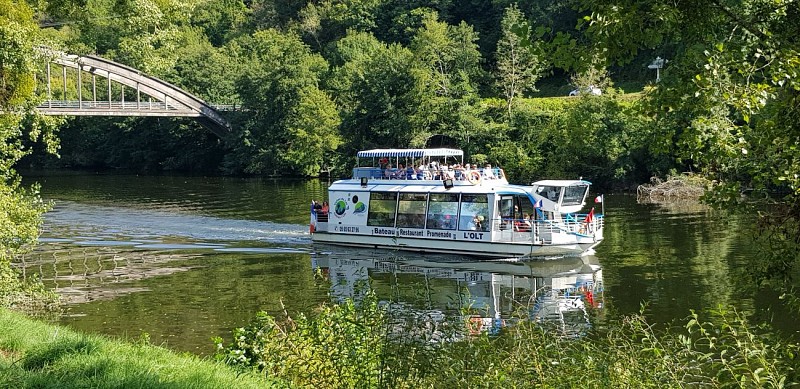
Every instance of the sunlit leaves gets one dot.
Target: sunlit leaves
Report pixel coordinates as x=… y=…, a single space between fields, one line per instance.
x=375 y=86
x=312 y=129
x=292 y=122
x=20 y=210
x=16 y=50
x=448 y=64
x=519 y=63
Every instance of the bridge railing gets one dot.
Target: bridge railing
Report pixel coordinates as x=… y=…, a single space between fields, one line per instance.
x=105 y=105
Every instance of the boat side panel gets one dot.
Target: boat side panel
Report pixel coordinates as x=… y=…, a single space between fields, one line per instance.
x=348 y=212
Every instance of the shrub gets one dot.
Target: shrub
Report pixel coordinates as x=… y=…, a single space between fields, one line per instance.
x=361 y=345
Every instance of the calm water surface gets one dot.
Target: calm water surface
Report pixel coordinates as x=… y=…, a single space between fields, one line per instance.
x=185 y=259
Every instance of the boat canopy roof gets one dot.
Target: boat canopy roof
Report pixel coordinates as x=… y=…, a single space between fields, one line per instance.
x=561 y=183
x=414 y=153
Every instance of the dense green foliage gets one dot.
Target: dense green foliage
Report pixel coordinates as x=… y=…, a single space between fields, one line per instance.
x=365 y=345
x=319 y=80
x=48 y=356
x=20 y=209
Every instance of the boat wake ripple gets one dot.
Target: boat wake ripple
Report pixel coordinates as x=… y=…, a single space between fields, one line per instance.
x=96 y=225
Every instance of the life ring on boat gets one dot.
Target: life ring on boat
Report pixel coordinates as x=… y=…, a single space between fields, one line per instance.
x=474 y=177
x=475 y=325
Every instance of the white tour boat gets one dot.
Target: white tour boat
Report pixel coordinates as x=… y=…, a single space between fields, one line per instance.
x=438 y=204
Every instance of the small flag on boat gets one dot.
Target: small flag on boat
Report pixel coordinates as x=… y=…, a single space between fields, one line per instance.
x=598 y=199
x=589 y=217
x=538 y=204
x=313 y=222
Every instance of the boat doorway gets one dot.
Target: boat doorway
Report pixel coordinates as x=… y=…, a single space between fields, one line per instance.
x=515 y=218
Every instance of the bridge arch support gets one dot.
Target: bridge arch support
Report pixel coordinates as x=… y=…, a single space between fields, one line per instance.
x=153 y=97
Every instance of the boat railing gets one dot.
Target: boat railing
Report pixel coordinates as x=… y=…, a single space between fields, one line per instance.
x=576 y=223
x=542 y=230
x=376 y=173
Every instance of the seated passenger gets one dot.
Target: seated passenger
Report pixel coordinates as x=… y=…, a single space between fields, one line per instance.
x=400 y=172
x=477 y=223
x=458 y=172
x=388 y=172
x=447 y=223
x=523 y=225
x=411 y=173
x=488 y=173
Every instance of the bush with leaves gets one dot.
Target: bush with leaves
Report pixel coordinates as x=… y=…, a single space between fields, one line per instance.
x=361 y=345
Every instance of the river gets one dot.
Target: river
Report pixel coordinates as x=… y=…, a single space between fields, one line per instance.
x=183 y=259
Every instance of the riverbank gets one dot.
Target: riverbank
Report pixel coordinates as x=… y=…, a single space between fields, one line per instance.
x=36 y=354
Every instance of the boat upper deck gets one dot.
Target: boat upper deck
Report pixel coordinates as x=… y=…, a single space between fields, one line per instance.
x=424 y=165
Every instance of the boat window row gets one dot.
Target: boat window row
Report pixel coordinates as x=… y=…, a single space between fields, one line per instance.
x=441 y=211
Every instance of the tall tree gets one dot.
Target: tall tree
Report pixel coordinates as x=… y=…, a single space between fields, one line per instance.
x=292 y=126
x=449 y=63
x=19 y=121
x=376 y=89
x=519 y=63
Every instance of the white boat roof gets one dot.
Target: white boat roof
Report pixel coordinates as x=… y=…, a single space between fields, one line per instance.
x=415 y=153
x=414 y=186
x=561 y=182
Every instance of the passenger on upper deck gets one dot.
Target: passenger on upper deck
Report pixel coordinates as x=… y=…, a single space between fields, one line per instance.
x=458 y=172
x=400 y=173
x=388 y=171
x=488 y=172
x=411 y=172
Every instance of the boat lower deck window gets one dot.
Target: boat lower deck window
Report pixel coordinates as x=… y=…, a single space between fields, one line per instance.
x=474 y=212
x=442 y=211
x=382 y=207
x=411 y=210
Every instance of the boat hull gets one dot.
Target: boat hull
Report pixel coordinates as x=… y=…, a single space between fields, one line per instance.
x=479 y=249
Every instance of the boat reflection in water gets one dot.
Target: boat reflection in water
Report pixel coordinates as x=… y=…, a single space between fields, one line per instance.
x=557 y=292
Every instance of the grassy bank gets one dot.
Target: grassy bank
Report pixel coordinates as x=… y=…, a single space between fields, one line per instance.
x=35 y=354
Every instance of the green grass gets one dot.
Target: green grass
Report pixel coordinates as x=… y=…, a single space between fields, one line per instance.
x=38 y=355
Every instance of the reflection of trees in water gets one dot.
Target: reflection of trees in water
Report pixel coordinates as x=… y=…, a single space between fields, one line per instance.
x=679 y=249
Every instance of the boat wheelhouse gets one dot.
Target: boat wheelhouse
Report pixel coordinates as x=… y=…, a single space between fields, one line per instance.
x=427 y=200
